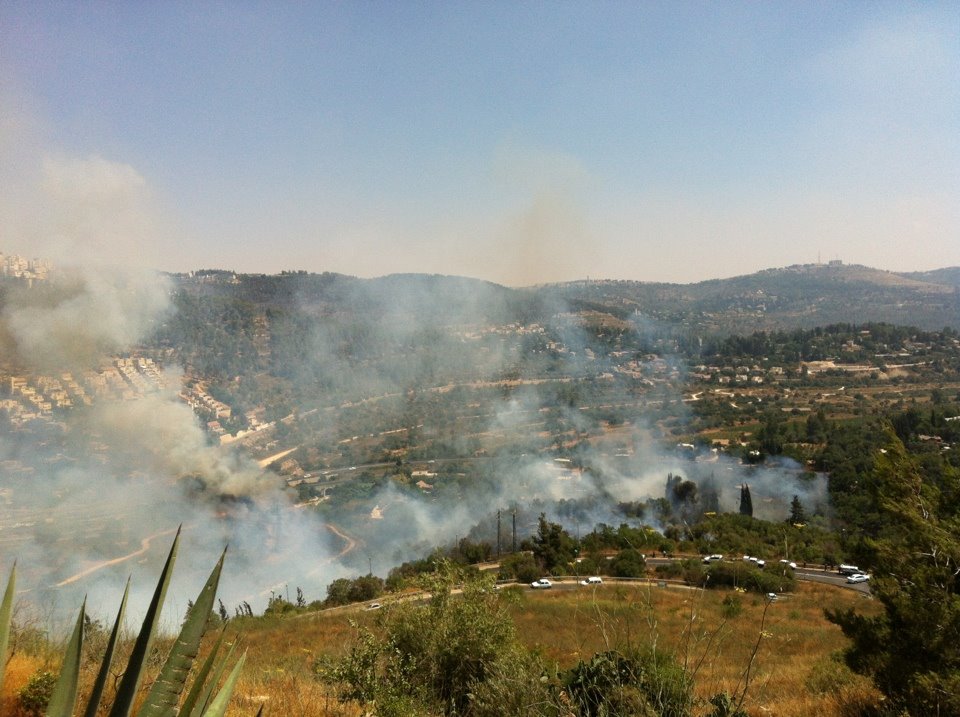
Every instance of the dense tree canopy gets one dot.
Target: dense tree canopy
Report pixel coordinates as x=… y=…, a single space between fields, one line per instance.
x=912 y=650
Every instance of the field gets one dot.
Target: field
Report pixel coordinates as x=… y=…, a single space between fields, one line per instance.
x=717 y=635
x=791 y=674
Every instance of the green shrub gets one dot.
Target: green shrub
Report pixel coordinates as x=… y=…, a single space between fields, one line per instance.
x=427 y=658
x=830 y=676
x=748 y=577
x=628 y=563
x=641 y=683
x=519 y=566
x=518 y=685
x=34 y=696
x=732 y=606
x=670 y=571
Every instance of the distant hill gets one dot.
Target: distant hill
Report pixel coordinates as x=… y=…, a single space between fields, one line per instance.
x=799 y=296
x=949 y=276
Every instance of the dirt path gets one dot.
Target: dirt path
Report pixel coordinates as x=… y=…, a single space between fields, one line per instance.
x=263 y=463
x=349 y=545
x=144 y=547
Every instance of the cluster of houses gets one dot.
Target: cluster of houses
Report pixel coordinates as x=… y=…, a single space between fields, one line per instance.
x=513 y=329
x=36 y=397
x=14 y=266
x=737 y=375
x=195 y=395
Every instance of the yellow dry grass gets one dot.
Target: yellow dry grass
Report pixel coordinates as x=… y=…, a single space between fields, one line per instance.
x=567 y=625
x=782 y=643
x=19 y=670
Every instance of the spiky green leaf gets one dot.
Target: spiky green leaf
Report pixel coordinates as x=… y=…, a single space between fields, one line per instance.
x=93 y=702
x=165 y=693
x=204 y=699
x=6 y=610
x=200 y=680
x=127 y=691
x=64 y=695
x=218 y=707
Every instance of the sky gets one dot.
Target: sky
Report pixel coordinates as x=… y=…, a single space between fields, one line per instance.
x=521 y=143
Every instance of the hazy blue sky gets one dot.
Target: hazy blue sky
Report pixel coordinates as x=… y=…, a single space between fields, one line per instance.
x=517 y=142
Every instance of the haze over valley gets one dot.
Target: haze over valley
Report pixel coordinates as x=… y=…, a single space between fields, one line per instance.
x=327 y=426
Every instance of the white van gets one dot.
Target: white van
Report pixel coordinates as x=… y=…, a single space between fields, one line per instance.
x=848 y=570
x=595 y=580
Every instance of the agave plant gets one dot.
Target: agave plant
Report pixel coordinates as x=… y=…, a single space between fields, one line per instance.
x=163 y=698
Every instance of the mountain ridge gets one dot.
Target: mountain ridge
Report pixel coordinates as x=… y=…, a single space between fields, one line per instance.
x=797 y=296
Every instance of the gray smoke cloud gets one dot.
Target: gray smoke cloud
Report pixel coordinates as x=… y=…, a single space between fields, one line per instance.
x=95 y=496
x=404 y=524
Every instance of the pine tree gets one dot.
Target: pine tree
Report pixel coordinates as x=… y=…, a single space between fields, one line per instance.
x=911 y=649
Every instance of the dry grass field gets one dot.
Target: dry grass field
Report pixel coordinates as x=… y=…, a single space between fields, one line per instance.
x=786 y=644
x=791 y=673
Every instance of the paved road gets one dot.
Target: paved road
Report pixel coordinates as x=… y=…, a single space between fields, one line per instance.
x=816 y=575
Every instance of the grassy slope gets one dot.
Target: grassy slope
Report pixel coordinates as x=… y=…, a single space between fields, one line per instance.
x=568 y=625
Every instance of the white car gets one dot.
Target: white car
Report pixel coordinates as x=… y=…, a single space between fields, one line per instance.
x=712 y=558
x=541 y=584
x=790 y=563
x=858 y=578
x=595 y=580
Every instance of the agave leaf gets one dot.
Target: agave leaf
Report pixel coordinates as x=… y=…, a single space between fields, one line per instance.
x=204 y=698
x=64 y=695
x=201 y=678
x=93 y=702
x=6 y=610
x=165 y=692
x=127 y=691
x=218 y=707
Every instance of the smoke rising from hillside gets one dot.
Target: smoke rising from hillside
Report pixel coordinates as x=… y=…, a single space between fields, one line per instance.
x=96 y=496
x=526 y=476
x=100 y=493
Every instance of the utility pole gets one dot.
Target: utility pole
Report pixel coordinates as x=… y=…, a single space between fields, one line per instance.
x=514 y=531
x=498 y=535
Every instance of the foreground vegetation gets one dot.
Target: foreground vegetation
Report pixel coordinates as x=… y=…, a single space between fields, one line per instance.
x=705 y=640
x=626 y=649
x=119 y=693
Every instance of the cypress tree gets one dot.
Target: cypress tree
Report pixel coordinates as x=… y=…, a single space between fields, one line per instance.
x=797 y=514
x=746 y=503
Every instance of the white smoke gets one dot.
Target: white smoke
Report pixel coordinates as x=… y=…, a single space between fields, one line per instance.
x=100 y=494
x=97 y=495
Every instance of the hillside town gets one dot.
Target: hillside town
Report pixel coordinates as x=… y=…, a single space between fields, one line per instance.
x=14 y=266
